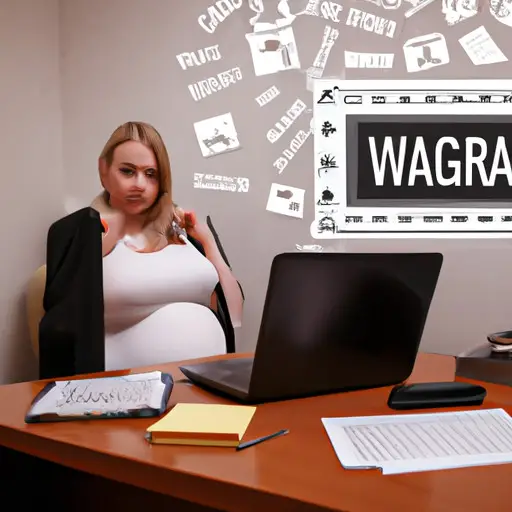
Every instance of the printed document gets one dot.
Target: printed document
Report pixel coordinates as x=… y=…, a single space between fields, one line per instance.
x=409 y=443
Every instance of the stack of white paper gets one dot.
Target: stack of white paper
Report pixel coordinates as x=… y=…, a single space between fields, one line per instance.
x=422 y=442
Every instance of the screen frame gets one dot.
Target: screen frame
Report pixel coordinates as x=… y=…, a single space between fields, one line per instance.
x=375 y=98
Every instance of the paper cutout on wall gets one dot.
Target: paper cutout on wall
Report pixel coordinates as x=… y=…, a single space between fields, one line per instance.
x=317 y=70
x=217 y=135
x=456 y=11
x=277 y=16
x=417 y=6
x=370 y=22
x=217 y=13
x=481 y=48
x=502 y=11
x=426 y=52
x=273 y=51
x=257 y=7
x=286 y=120
x=267 y=96
x=387 y=4
x=312 y=8
x=288 y=154
x=391 y=4
x=286 y=200
x=329 y=11
x=368 y=60
x=309 y=248
x=213 y=84
x=199 y=57
x=283 y=8
x=225 y=183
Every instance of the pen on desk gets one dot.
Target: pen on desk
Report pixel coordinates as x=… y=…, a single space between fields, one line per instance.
x=261 y=439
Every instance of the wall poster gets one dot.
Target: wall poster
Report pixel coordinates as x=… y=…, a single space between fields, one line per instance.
x=412 y=159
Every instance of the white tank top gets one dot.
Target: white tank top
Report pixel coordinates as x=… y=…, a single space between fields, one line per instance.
x=135 y=285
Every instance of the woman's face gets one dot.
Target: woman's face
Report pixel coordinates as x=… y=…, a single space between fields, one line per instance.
x=132 y=179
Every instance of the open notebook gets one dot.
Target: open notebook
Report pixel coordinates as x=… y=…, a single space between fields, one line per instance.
x=129 y=396
x=202 y=424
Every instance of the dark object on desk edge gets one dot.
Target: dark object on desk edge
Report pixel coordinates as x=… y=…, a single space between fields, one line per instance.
x=435 y=394
x=485 y=365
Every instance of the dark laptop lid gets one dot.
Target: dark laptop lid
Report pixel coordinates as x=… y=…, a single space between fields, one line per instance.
x=338 y=321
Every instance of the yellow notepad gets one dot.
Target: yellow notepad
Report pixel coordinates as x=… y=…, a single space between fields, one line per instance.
x=202 y=424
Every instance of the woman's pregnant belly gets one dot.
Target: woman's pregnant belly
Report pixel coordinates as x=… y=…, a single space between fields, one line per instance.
x=174 y=332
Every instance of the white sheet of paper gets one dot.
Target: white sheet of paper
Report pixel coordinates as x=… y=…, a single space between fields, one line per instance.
x=309 y=247
x=422 y=442
x=426 y=52
x=481 y=48
x=109 y=394
x=286 y=200
x=217 y=135
x=216 y=182
x=267 y=96
x=273 y=51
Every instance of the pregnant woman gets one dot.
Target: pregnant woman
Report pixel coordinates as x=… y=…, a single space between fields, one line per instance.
x=158 y=286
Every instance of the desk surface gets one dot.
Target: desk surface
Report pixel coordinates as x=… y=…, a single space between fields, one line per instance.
x=297 y=472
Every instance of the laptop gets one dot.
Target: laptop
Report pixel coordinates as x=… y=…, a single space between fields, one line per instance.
x=331 y=322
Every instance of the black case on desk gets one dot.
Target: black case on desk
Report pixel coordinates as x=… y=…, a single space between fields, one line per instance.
x=485 y=365
x=148 y=412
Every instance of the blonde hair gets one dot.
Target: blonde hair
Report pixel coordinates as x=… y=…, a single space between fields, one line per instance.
x=159 y=224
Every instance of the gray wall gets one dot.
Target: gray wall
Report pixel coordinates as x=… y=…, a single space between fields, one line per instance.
x=32 y=171
x=118 y=62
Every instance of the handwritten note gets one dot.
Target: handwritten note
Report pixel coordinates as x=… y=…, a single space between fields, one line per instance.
x=481 y=48
x=102 y=395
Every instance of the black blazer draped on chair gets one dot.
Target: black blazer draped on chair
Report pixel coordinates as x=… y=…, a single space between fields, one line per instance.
x=72 y=331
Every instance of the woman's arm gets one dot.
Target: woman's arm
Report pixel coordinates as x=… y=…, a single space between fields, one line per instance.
x=230 y=286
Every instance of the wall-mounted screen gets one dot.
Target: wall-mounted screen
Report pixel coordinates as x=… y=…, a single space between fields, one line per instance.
x=412 y=158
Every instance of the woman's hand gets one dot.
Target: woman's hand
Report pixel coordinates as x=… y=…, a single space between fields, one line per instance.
x=199 y=230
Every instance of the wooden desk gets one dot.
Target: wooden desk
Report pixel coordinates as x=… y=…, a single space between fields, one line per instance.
x=298 y=472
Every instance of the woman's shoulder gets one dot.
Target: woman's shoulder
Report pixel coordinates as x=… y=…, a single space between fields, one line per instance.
x=100 y=204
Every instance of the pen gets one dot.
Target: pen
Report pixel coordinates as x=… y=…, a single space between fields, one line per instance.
x=261 y=439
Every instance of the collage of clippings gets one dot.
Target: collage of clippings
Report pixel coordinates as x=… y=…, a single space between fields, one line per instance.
x=215 y=135
x=273 y=49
